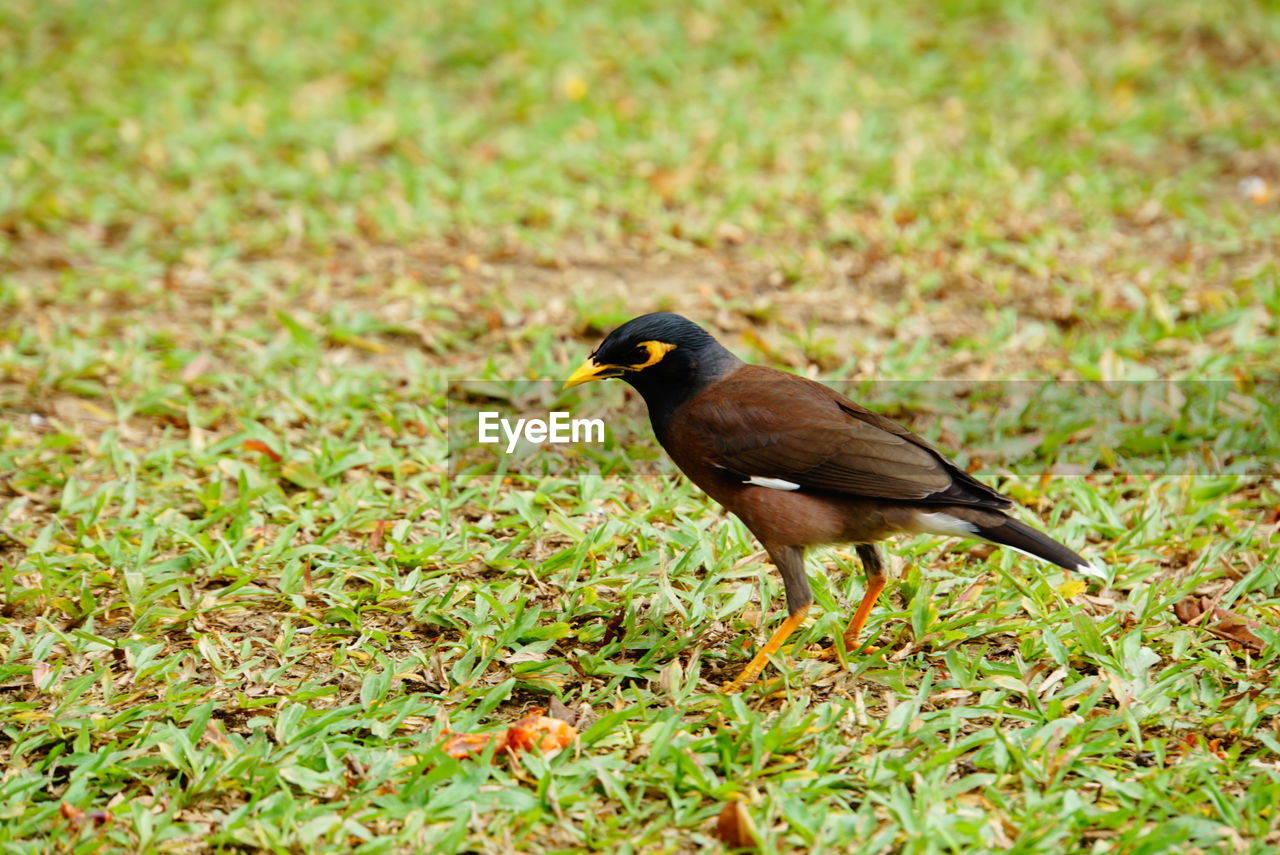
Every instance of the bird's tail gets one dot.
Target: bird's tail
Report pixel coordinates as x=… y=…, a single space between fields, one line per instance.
x=1006 y=531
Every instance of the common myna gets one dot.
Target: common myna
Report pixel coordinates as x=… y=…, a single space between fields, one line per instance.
x=799 y=463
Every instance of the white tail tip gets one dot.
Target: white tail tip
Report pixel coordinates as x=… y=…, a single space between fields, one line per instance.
x=1093 y=570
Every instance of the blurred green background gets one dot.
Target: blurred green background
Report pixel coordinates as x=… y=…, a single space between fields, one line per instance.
x=251 y=125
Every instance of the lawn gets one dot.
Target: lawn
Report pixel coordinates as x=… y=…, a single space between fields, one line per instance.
x=260 y=262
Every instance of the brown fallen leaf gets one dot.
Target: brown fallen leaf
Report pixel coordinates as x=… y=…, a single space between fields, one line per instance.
x=613 y=630
x=460 y=745
x=375 y=539
x=556 y=709
x=549 y=735
x=1199 y=611
x=76 y=817
x=1193 y=742
x=971 y=593
x=1231 y=700
x=735 y=829
x=260 y=446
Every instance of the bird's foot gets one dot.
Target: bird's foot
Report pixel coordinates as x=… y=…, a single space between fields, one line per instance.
x=829 y=654
x=761 y=659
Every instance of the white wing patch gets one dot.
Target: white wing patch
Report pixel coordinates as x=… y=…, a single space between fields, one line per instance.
x=940 y=522
x=773 y=483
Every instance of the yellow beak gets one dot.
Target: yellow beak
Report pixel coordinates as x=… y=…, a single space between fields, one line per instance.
x=588 y=371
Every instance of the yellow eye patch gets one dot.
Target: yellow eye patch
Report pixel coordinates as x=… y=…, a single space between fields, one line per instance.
x=656 y=350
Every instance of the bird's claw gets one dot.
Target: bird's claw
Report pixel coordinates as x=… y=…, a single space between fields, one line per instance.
x=830 y=654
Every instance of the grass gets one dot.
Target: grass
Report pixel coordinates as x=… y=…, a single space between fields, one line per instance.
x=305 y=225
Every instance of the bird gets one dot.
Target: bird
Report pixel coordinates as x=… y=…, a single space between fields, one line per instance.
x=800 y=464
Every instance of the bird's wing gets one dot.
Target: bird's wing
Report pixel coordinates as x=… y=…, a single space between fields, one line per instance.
x=790 y=433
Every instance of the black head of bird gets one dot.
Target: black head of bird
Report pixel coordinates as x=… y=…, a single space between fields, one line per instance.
x=800 y=464
x=663 y=356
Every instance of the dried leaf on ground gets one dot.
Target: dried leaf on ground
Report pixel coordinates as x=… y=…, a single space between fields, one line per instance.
x=76 y=817
x=1199 y=611
x=549 y=735
x=261 y=447
x=556 y=709
x=735 y=829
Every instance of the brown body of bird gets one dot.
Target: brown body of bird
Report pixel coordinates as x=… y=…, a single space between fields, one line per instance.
x=800 y=464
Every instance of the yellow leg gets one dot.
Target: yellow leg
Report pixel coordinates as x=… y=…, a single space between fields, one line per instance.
x=756 y=665
x=875 y=585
